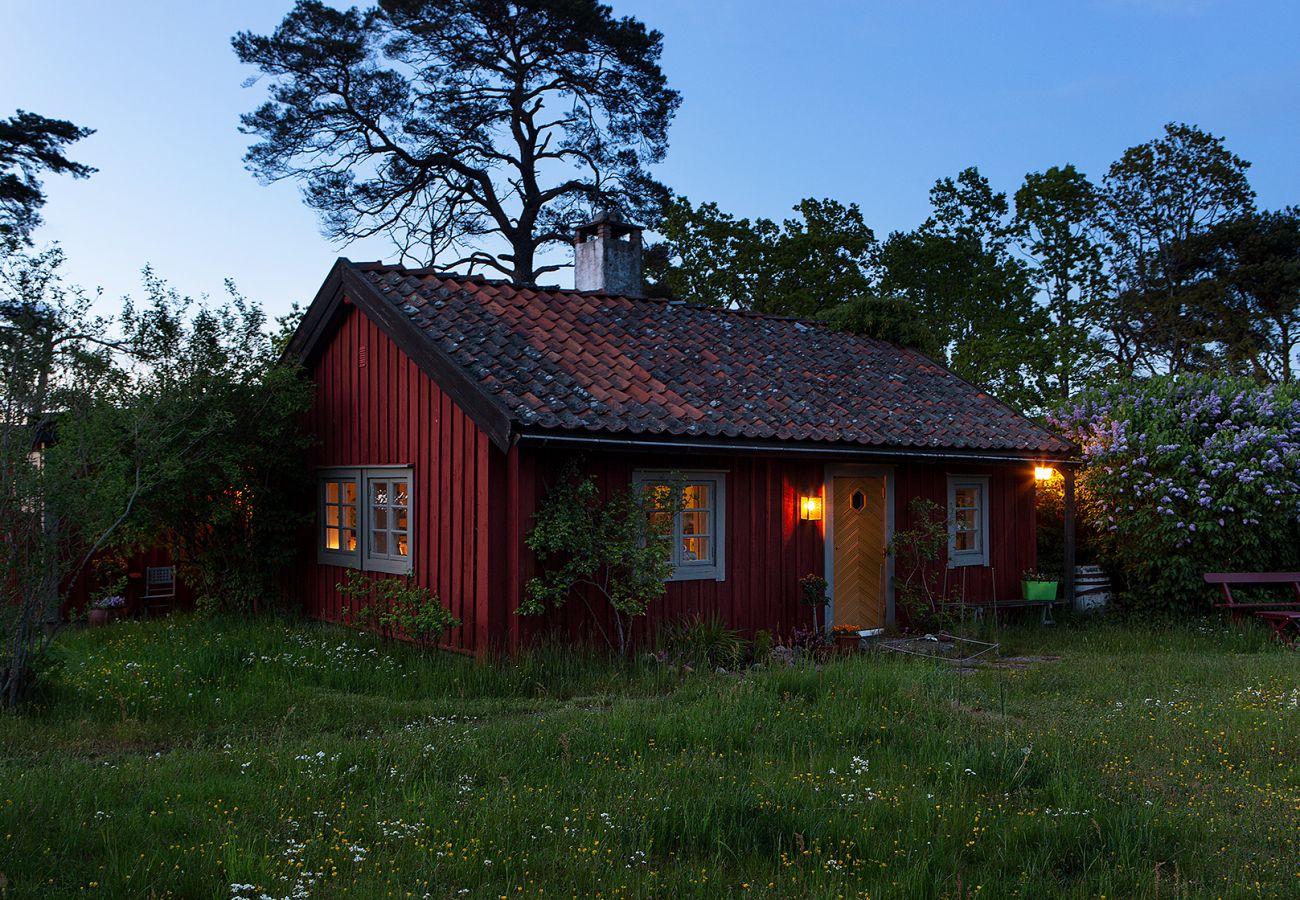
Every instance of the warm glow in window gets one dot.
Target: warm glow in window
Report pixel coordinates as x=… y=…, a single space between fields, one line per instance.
x=691 y=518
x=389 y=525
x=340 y=512
x=966 y=510
x=696 y=525
x=365 y=518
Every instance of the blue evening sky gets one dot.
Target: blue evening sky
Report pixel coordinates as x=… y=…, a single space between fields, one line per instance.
x=865 y=102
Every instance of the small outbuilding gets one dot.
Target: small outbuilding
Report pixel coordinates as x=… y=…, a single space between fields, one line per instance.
x=446 y=404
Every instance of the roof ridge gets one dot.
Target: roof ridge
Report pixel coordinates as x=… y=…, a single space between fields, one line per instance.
x=427 y=271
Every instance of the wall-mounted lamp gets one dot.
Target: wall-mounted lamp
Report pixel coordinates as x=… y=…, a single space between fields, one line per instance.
x=810 y=509
x=1043 y=473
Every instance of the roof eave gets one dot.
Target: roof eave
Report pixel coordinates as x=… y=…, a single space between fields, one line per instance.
x=686 y=444
x=345 y=282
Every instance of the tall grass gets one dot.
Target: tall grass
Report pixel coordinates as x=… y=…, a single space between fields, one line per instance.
x=196 y=759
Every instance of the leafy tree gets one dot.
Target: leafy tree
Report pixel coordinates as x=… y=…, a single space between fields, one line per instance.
x=173 y=426
x=1154 y=198
x=972 y=294
x=657 y=268
x=55 y=365
x=30 y=145
x=709 y=256
x=1245 y=278
x=617 y=548
x=820 y=259
x=1056 y=212
x=805 y=265
x=892 y=319
x=227 y=496
x=442 y=122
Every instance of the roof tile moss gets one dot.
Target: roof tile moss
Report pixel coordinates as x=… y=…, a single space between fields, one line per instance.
x=585 y=360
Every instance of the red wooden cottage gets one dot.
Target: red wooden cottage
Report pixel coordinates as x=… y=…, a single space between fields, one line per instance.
x=445 y=404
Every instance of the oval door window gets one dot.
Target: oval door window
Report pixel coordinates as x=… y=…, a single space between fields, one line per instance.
x=858 y=501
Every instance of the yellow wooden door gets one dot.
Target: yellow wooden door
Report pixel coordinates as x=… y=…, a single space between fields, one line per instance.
x=859 y=557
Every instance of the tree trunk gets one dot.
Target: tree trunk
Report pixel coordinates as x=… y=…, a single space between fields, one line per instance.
x=622 y=634
x=525 y=253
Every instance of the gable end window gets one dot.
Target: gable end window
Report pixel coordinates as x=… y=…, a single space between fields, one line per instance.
x=365 y=519
x=698 y=526
x=968 y=520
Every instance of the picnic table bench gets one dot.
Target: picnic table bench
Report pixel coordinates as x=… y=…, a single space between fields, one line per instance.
x=1283 y=616
x=977 y=607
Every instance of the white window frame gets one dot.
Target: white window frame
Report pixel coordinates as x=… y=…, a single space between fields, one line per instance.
x=714 y=569
x=364 y=557
x=979 y=556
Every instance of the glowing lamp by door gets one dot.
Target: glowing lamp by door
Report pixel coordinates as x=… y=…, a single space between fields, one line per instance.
x=810 y=509
x=1043 y=473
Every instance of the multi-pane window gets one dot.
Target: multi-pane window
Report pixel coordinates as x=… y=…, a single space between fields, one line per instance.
x=968 y=521
x=389 y=527
x=689 y=507
x=366 y=519
x=339 y=506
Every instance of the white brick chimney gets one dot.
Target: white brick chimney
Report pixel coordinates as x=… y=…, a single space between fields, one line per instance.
x=607 y=256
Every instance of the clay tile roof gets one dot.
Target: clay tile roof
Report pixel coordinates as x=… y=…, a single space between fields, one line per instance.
x=576 y=360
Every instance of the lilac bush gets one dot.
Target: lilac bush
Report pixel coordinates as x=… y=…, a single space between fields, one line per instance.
x=1184 y=476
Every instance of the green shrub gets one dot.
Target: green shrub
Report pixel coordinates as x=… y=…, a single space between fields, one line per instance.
x=617 y=548
x=1184 y=476
x=400 y=606
x=703 y=642
x=917 y=553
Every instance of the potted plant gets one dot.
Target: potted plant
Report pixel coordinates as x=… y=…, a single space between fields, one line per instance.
x=108 y=599
x=106 y=610
x=847 y=637
x=812 y=590
x=1036 y=586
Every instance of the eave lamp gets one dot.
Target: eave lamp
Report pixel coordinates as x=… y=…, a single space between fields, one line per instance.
x=1043 y=473
x=810 y=509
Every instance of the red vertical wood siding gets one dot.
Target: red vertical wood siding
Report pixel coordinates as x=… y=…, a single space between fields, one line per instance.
x=767 y=550
x=1013 y=537
x=389 y=412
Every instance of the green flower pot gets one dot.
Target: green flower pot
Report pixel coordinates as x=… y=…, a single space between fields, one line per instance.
x=1038 y=590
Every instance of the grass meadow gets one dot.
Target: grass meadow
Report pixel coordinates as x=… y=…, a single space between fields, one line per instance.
x=234 y=759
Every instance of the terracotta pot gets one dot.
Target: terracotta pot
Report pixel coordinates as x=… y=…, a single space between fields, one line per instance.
x=847 y=643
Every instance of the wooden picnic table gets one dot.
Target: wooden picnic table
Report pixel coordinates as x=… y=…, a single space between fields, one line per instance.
x=1285 y=623
x=1283 y=616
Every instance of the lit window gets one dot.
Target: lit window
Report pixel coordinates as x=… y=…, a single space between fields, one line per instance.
x=340 y=520
x=696 y=526
x=388 y=526
x=366 y=527
x=968 y=521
